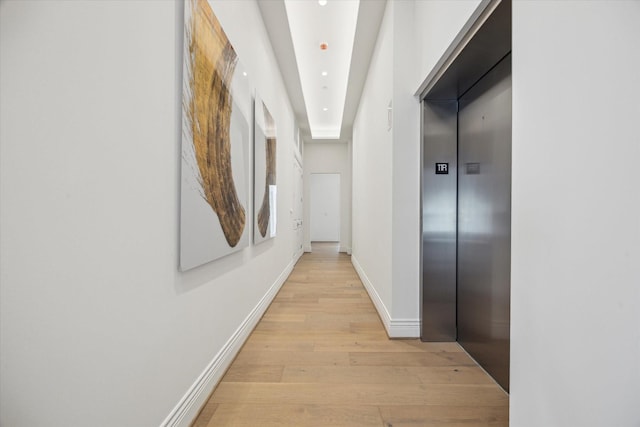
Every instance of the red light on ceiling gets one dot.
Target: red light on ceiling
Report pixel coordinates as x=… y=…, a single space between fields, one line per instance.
x=324 y=46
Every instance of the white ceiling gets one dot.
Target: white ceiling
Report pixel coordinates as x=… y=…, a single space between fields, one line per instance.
x=322 y=34
x=296 y=29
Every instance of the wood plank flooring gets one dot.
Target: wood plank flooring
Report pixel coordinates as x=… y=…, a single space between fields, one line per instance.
x=320 y=357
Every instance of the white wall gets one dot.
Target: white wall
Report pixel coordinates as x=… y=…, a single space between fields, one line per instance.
x=575 y=313
x=324 y=157
x=393 y=272
x=372 y=175
x=437 y=23
x=96 y=322
x=406 y=237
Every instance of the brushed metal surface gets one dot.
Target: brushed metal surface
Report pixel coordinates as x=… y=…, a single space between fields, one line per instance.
x=484 y=221
x=438 y=308
x=468 y=61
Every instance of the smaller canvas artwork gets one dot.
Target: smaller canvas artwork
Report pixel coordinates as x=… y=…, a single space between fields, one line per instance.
x=265 y=190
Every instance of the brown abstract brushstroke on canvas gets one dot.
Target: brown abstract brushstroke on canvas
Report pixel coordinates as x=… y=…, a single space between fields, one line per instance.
x=264 y=212
x=213 y=61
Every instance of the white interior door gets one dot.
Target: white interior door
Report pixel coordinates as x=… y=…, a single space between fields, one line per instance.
x=325 y=207
x=297 y=206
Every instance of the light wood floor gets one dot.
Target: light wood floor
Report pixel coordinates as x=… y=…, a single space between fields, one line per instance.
x=320 y=357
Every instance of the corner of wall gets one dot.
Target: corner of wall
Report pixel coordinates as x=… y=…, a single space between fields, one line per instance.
x=406 y=171
x=395 y=328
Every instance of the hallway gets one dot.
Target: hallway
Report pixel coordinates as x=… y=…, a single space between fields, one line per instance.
x=320 y=357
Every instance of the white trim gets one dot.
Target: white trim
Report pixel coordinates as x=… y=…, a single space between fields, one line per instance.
x=308 y=248
x=189 y=406
x=396 y=328
x=404 y=328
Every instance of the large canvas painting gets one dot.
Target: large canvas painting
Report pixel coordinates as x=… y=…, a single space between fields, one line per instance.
x=216 y=134
x=265 y=190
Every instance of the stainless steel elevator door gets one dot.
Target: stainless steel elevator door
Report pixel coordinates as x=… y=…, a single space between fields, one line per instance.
x=439 y=171
x=484 y=221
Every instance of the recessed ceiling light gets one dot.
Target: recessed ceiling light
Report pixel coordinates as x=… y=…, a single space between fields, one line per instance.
x=324 y=73
x=244 y=73
x=325 y=109
x=322 y=2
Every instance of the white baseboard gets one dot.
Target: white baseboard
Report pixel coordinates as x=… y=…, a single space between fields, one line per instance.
x=189 y=406
x=307 y=248
x=396 y=328
x=345 y=249
x=404 y=328
x=373 y=294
